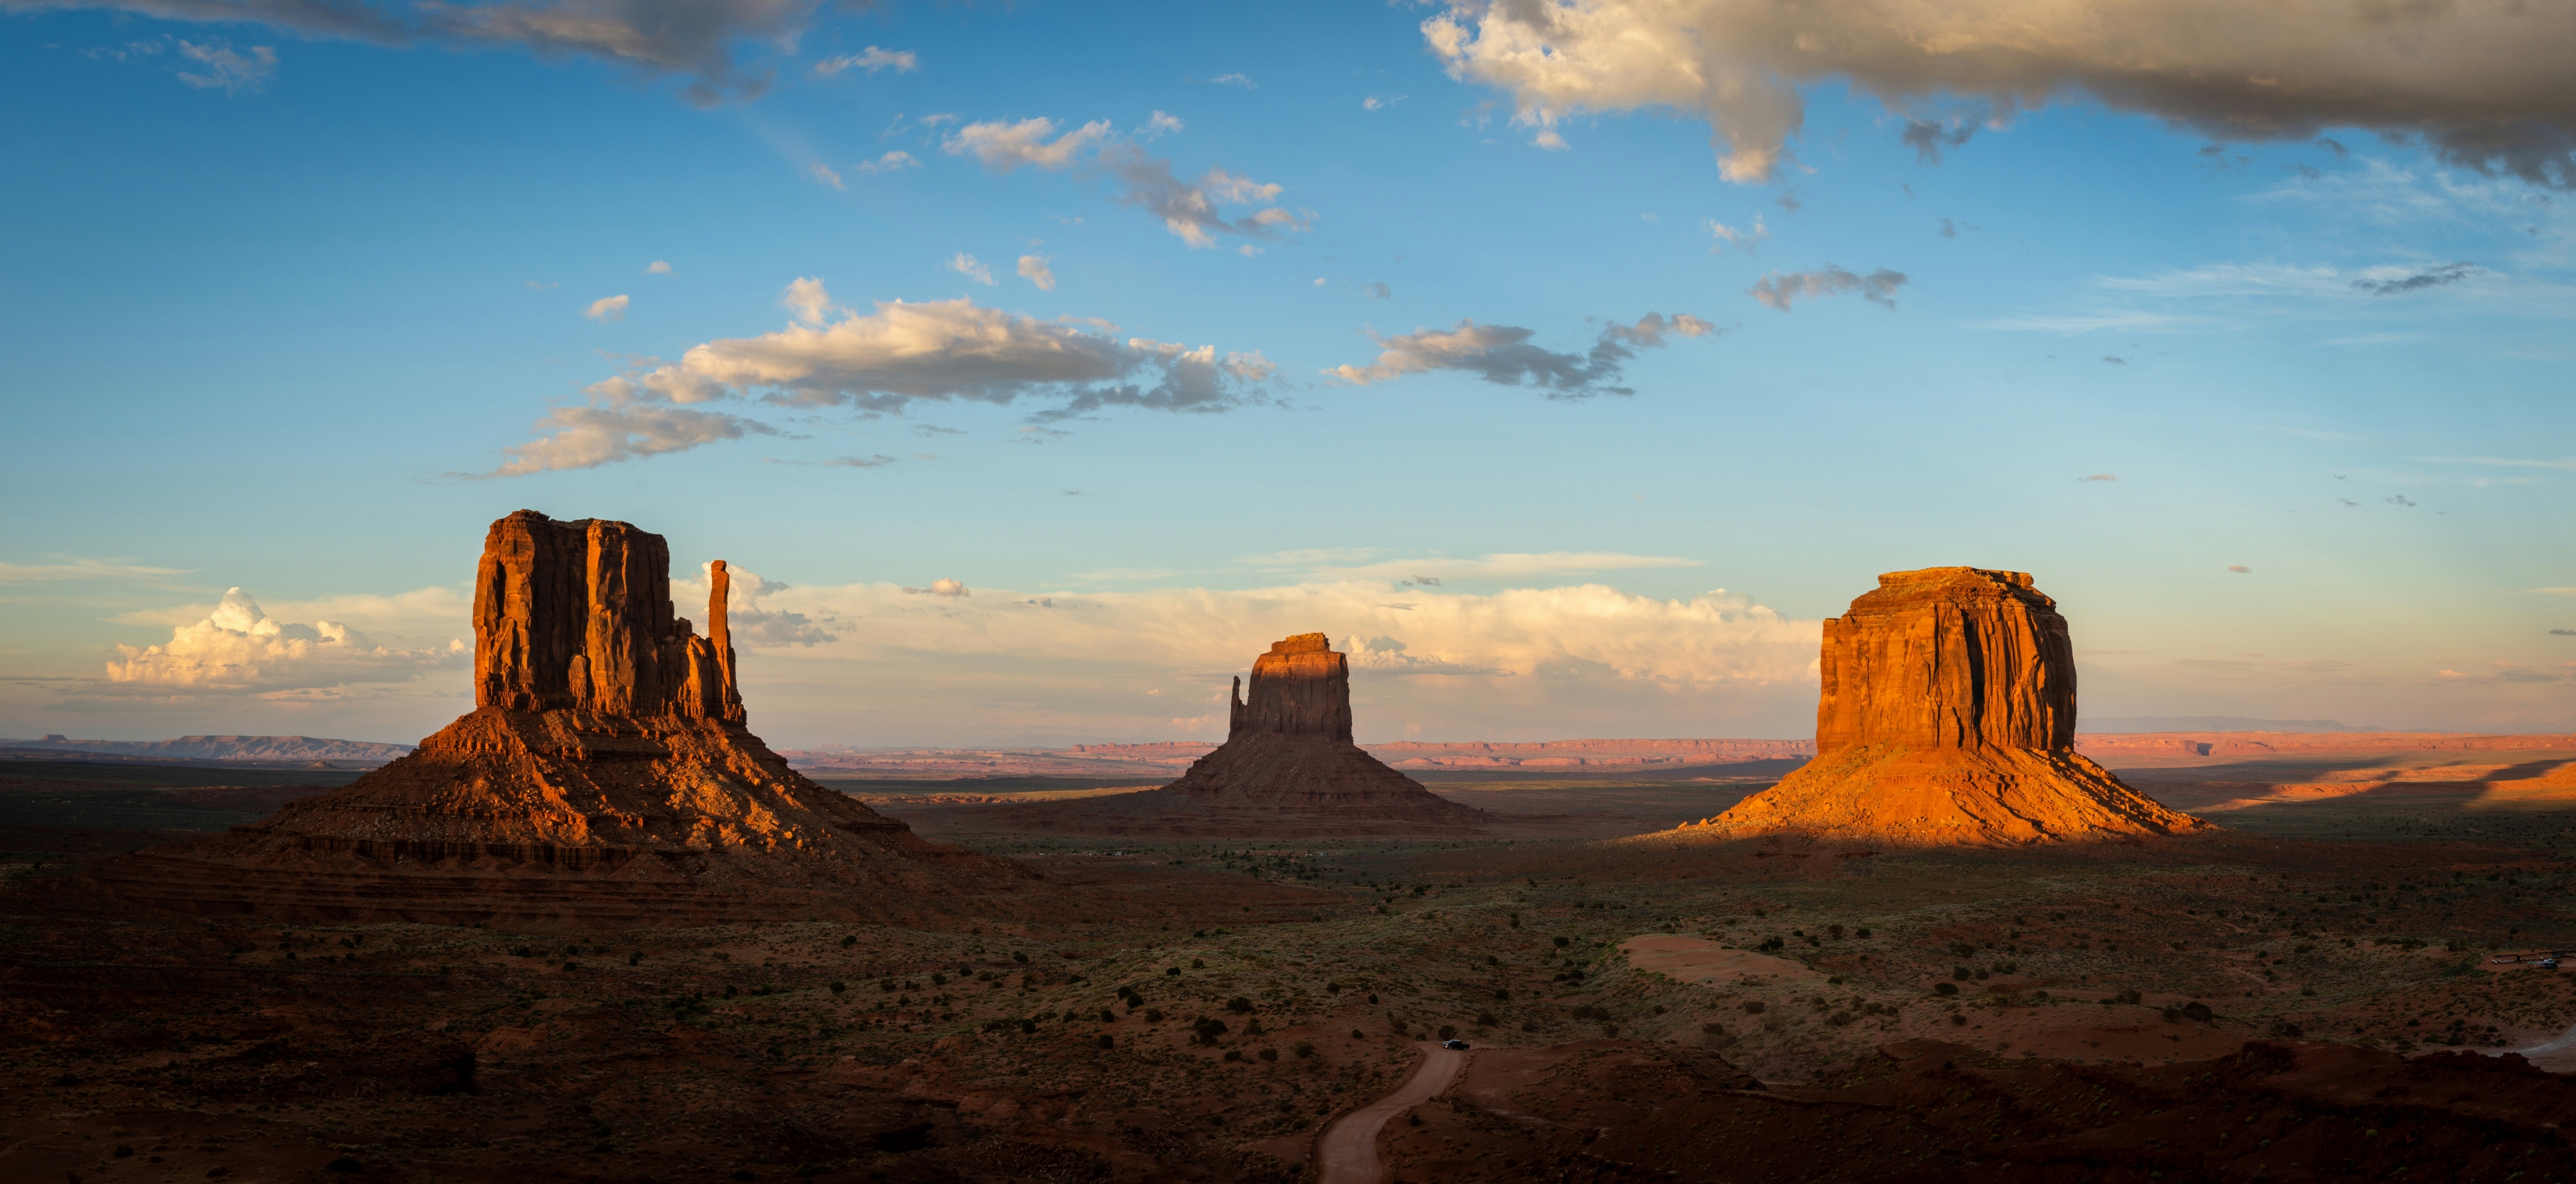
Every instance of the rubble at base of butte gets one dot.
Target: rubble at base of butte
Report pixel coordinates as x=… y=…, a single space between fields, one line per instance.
x=1288 y=767
x=605 y=776
x=1948 y=718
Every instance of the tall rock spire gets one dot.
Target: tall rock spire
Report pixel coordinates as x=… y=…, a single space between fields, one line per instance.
x=577 y=615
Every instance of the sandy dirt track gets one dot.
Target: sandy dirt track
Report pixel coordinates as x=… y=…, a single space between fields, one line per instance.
x=1348 y=1152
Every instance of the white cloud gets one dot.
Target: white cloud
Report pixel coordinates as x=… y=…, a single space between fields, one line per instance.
x=872 y=59
x=2485 y=85
x=1380 y=102
x=1503 y=354
x=222 y=69
x=966 y=265
x=1033 y=268
x=2072 y=324
x=657 y=267
x=606 y=308
x=882 y=361
x=238 y=647
x=823 y=173
x=1574 y=661
x=1233 y=80
x=1345 y=564
x=892 y=162
x=941 y=587
x=1004 y=147
x=1190 y=209
x=1162 y=124
x=1747 y=241
x=1780 y=289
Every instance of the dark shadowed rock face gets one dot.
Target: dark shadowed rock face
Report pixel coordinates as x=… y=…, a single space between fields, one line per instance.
x=1947 y=716
x=578 y=615
x=604 y=777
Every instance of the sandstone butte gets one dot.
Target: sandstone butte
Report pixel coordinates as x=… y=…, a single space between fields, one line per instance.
x=605 y=775
x=1948 y=718
x=1288 y=767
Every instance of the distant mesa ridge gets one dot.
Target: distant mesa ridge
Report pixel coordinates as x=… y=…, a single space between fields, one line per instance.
x=1947 y=716
x=226 y=748
x=605 y=776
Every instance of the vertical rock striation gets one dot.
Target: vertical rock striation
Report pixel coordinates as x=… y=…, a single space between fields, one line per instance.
x=604 y=776
x=1947 y=716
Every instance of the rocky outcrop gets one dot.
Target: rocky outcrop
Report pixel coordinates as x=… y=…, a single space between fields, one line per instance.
x=605 y=777
x=1287 y=768
x=577 y=615
x=1947 y=716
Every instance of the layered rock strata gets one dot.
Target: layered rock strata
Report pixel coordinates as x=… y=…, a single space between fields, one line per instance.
x=605 y=776
x=1288 y=767
x=1947 y=716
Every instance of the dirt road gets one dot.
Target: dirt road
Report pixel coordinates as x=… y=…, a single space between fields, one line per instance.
x=1349 y=1150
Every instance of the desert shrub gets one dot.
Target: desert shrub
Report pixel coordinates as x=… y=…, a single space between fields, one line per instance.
x=1945 y=988
x=1107 y=1041
x=847 y=942
x=1107 y=1016
x=2284 y=1029
x=1356 y=1034
x=1153 y=1015
x=1486 y=1019
x=1019 y=956
x=1960 y=1020
x=2196 y=1011
x=1198 y=963
x=1234 y=1054
x=938 y=980
x=1752 y=1007
x=1561 y=943
x=1960 y=973
x=1028 y=1027
x=1238 y=1004
x=839 y=986
x=1305 y=1048
x=1860 y=933
x=1448 y=1032
x=1269 y=1054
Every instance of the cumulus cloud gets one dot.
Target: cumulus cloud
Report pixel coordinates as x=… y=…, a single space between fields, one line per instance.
x=691 y=39
x=588 y=437
x=2448 y=273
x=606 y=308
x=883 y=361
x=941 y=588
x=1780 y=289
x=1161 y=124
x=2484 y=85
x=871 y=60
x=239 y=647
x=1503 y=354
x=1033 y=268
x=966 y=265
x=1004 y=147
x=657 y=267
x=892 y=162
x=217 y=67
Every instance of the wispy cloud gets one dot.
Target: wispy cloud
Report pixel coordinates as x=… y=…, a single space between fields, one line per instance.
x=219 y=68
x=606 y=308
x=2077 y=323
x=80 y=569
x=892 y=162
x=1780 y=289
x=2448 y=273
x=967 y=265
x=1033 y=268
x=2565 y=462
x=1747 y=241
x=1503 y=354
x=871 y=60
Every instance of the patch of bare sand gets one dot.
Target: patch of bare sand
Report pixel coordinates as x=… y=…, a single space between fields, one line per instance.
x=1700 y=960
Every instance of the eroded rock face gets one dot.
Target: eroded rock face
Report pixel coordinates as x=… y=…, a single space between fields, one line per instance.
x=1947 y=716
x=1300 y=687
x=605 y=777
x=1948 y=657
x=578 y=615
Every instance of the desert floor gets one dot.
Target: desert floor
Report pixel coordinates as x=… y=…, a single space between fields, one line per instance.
x=2029 y=1011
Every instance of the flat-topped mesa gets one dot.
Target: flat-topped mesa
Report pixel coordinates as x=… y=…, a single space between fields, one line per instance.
x=1301 y=686
x=1947 y=716
x=1948 y=657
x=578 y=615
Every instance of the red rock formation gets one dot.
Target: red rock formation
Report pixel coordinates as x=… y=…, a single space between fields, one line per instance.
x=604 y=777
x=1948 y=716
x=1287 y=768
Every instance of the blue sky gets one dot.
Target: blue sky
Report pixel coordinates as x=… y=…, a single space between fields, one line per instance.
x=282 y=309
